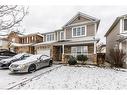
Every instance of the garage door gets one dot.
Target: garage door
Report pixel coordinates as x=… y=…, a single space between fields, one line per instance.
x=44 y=51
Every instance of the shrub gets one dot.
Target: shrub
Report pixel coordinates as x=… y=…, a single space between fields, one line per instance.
x=116 y=57
x=72 y=60
x=82 y=58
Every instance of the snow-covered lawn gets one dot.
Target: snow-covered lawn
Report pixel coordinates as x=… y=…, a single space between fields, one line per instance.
x=67 y=77
x=7 y=79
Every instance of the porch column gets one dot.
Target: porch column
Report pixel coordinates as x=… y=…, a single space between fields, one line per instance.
x=120 y=45
x=63 y=48
x=95 y=54
x=63 y=56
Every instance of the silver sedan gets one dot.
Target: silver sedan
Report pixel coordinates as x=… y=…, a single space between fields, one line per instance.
x=31 y=64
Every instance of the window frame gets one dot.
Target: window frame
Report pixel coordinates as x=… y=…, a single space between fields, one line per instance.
x=123 y=25
x=83 y=48
x=61 y=36
x=80 y=31
x=51 y=34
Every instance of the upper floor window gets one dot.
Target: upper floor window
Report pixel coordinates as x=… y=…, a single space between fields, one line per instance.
x=79 y=31
x=125 y=24
x=50 y=37
x=61 y=35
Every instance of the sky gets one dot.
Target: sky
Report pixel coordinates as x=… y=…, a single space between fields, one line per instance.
x=49 y=18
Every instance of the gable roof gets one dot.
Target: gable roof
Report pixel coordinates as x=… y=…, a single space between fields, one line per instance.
x=82 y=15
x=114 y=24
x=32 y=34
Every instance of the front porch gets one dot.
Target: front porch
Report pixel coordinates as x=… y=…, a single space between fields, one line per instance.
x=61 y=53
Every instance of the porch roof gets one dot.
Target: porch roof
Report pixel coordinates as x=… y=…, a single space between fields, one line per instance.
x=70 y=42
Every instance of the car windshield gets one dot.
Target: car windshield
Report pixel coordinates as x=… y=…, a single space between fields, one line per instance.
x=33 y=57
x=18 y=55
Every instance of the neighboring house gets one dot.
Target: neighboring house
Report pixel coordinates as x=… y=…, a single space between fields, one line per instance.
x=23 y=43
x=76 y=37
x=4 y=43
x=116 y=36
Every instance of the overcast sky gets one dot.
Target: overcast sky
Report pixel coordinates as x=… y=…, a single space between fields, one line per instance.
x=48 y=18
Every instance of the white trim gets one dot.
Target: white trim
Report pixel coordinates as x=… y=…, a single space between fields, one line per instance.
x=120 y=45
x=82 y=15
x=122 y=30
x=81 y=23
x=79 y=27
x=95 y=25
x=121 y=25
x=57 y=36
x=63 y=34
x=63 y=49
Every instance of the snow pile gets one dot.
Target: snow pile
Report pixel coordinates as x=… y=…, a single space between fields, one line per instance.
x=79 y=78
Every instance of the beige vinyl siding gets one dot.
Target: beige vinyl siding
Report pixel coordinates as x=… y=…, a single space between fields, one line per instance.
x=90 y=48
x=112 y=37
x=90 y=31
x=68 y=32
x=81 y=20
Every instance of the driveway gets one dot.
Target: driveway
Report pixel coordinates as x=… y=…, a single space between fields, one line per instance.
x=8 y=79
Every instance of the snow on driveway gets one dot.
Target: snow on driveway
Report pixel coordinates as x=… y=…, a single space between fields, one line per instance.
x=7 y=79
x=67 y=77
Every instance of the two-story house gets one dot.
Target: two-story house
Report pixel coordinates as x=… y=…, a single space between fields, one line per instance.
x=23 y=43
x=3 y=43
x=76 y=37
x=116 y=36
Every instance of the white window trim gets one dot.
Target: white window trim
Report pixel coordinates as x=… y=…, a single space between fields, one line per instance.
x=122 y=27
x=81 y=52
x=63 y=34
x=80 y=27
x=51 y=34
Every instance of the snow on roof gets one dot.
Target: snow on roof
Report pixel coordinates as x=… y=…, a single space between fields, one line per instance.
x=39 y=34
x=19 y=45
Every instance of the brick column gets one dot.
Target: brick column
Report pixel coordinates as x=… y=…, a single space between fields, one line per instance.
x=95 y=58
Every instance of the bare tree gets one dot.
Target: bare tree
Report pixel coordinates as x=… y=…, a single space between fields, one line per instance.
x=11 y=15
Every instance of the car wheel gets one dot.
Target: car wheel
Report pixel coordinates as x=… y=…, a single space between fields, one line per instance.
x=32 y=68
x=50 y=63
